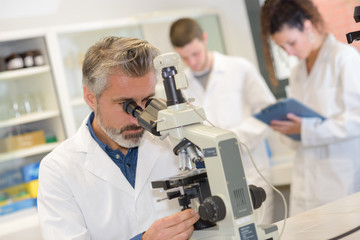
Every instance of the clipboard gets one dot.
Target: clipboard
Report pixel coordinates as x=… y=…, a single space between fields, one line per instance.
x=279 y=110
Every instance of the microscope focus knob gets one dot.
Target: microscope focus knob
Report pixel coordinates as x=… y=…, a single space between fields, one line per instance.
x=212 y=209
x=258 y=196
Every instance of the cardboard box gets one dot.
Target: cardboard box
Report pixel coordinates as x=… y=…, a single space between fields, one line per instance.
x=26 y=140
x=2 y=146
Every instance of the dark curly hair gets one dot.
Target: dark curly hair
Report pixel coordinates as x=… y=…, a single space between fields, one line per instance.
x=275 y=14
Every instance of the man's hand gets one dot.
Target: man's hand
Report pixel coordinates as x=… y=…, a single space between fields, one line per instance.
x=178 y=226
x=291 y=126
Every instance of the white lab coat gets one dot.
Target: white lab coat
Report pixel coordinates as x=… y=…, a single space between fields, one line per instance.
x=236 y=91
x=84 y=195
x=327 y=163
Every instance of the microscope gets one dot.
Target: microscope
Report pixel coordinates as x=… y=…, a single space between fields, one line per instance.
x=354 y=36
x=219 y=191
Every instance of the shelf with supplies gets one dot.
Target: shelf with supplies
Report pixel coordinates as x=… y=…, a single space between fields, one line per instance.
x=36 y=150
x=28 y=95
x=28 y=118
x=23 y=72
x=31 y=123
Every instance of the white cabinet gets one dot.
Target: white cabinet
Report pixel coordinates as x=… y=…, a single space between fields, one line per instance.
x=28 y=98
x=31 y=122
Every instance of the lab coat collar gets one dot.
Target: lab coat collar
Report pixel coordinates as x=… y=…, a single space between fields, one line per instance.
x=218 y=68
x=218 y=65
x=323 y=55
x=328 y=43
x=149 y=152
x=101 y=165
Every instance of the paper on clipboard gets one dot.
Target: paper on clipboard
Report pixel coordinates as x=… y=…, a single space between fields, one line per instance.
x=279 y=110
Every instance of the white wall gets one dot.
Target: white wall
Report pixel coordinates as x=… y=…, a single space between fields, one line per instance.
x=48 y=13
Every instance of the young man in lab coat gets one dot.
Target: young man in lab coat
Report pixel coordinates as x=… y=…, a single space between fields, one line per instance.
x=97 y=184
x=230 y=90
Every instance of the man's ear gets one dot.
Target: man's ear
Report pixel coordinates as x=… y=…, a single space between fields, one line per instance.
x=89 y=97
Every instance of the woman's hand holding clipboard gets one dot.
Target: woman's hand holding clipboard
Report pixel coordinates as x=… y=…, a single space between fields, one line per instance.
x=285 y=116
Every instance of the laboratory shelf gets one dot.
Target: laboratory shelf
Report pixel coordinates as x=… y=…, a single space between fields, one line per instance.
x=28 y=152
x=23 y=224
x=28 y=118
x=24 y=72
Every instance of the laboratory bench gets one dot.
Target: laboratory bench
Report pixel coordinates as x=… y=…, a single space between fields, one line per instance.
x=325 y=222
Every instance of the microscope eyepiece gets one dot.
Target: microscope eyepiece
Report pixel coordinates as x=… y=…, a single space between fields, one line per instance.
x=131 y=108
x=146 y=117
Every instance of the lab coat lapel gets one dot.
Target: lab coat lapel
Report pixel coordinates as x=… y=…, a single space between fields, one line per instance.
x=215 y=76
x=149 y=153
x=196 y=91
x=101 y=165
x=322 y=56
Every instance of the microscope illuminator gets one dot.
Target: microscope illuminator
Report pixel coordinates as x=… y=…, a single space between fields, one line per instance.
x=354 y=36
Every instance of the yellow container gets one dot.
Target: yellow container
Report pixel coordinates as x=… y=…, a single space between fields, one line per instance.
x=32 y=188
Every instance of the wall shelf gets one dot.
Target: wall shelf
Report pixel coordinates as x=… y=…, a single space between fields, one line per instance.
x=28 y=152
x=23 y=72
x=28 y=118
x=28 y=102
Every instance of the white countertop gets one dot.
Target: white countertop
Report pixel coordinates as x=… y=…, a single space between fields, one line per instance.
x=325 y=222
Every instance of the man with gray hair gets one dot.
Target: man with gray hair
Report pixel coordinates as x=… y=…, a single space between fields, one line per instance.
x=97 y=183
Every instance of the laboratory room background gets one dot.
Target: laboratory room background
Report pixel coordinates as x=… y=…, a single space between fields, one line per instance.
x=238 y=53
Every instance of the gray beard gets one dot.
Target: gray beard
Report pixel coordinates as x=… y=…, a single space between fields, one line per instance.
x=118 y=136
